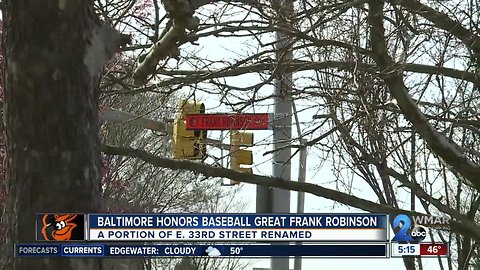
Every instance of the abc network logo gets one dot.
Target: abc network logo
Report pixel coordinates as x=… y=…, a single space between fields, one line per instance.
x=406 y=232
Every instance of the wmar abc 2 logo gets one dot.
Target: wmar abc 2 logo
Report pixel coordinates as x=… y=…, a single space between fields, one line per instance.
x=402 y=225
x=60 y=227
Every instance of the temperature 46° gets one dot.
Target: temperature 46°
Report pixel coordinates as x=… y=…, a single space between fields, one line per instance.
x=433 y=249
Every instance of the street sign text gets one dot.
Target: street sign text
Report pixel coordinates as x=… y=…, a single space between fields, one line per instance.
x=247 y=121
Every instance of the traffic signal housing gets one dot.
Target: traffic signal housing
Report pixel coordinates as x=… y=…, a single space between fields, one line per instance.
x=188 y=144
x=240 y=157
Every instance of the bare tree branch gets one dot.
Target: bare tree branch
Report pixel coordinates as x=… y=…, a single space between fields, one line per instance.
x=203 y=75
x=181 y=14
x=464 y=226
x=436 y=141
x=442 y=21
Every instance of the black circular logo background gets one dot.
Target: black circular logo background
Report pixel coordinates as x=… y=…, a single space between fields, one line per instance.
x=418 y=234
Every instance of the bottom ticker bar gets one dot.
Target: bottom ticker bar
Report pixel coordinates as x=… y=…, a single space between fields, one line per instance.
x=107 y=250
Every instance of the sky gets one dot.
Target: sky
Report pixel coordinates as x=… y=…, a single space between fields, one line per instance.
x=229 y=48
x=263 y=166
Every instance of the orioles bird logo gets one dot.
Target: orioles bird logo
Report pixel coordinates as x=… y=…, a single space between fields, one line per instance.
x=58 y=227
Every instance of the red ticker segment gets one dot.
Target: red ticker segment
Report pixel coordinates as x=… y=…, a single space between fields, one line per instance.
x=433 y=249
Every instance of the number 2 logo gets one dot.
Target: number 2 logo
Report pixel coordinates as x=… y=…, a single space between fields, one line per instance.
x=402 y=234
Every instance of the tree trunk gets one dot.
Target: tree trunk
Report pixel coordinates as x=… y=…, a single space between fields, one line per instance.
x=53 y=157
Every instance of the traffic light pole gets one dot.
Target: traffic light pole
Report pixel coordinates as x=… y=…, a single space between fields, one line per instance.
x=302 y=172
x=282 y=135
x=117 y=116
x=277 y=200
x=121 y=117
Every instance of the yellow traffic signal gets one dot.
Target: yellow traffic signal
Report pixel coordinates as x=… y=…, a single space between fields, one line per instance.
x=241 y=157
x=238 y=156
x=185 y=144
x=185 y=107
x=188 y=144
x=241 y=138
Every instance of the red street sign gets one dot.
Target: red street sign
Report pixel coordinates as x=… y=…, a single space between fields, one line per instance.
x=217 y=121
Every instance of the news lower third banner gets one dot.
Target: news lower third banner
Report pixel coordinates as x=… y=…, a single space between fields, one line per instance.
x=212 y=227
x=237 y=227
x=107 y=250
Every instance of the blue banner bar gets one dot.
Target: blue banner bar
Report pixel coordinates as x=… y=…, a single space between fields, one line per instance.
x=104 y=250
x=237 y=221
